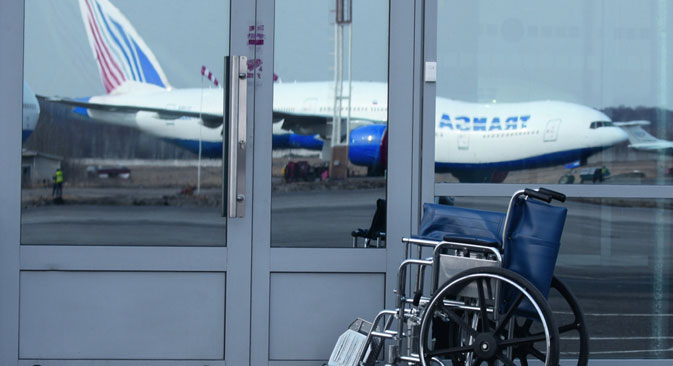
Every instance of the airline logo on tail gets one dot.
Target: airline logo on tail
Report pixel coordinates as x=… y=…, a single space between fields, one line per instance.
x=118 y=49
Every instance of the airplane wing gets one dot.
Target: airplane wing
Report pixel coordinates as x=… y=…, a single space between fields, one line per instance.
x=302 y=124
x=209 y=120
x=309 y=124
x=641 y=139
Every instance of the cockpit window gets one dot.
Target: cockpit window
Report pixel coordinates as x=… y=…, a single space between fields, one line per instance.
x=599 y=124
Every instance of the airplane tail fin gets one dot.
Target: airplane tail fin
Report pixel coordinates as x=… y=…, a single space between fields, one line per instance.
x=641 y=139
x=121 y=53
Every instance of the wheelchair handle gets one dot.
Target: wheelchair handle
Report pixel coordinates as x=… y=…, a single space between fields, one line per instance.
x=542 y=194
x=538 y=195
x=554 y=195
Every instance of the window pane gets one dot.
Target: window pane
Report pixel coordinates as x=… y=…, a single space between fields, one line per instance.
x=617 y=258
x=128 y=118
x=554 y=92
x=325 y=181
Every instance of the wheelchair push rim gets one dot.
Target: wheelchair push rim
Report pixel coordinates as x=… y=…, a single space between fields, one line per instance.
x=573 y=332
x=572 y=329
x=480 y=330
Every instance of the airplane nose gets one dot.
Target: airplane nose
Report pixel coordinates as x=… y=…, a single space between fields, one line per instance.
x=619 y=135
x=606 y=136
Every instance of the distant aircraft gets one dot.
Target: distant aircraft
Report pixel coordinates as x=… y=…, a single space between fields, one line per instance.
x=31 y=112
x=474 y=142
x=641 y=140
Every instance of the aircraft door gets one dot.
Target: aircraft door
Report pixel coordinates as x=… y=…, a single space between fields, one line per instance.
x=463 y=142
x=551 y=130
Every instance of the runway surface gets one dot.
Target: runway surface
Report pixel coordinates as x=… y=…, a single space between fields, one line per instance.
x=617 y=260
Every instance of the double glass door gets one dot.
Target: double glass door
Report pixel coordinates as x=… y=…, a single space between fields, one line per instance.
x=136 y=145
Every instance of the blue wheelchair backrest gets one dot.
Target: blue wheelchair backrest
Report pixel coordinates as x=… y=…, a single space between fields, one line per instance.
x=534 y=240
x=533 y=236
x=441 y=220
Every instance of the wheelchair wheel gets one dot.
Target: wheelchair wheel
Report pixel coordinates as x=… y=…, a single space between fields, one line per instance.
x=572 y=329
x=471 y=320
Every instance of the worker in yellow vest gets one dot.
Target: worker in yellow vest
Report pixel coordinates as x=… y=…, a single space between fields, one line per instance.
x=57 y=189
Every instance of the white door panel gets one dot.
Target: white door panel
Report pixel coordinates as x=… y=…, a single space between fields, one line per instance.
x=551 y=130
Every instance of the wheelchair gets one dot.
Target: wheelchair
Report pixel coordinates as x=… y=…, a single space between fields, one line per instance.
x=481 y=297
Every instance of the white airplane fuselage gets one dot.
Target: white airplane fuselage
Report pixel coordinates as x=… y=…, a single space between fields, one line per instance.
x=518 y=135
x=506 y=136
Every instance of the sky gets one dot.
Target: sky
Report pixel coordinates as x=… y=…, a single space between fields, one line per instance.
x=59 y=61
x=599 y=53
x=184 y=35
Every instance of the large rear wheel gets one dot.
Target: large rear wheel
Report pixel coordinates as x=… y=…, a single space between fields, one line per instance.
x=572 y=329
x=472 y=320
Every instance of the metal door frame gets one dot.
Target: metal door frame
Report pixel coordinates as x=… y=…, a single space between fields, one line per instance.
x=11 y=79
x=234 y=259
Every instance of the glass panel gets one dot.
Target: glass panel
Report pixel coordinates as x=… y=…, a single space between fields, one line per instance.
x=554 y=92
x=617 y=258
x=130 y=119
x=325 y=182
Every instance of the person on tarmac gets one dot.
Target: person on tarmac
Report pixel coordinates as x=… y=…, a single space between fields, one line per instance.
x=57 y=189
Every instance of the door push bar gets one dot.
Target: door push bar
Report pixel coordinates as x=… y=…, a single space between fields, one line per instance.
x=234 y=136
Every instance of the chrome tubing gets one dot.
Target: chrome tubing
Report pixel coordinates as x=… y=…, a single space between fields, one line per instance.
x=237 y=136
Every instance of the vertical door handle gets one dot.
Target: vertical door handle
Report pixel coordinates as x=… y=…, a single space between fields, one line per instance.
x=234 y=143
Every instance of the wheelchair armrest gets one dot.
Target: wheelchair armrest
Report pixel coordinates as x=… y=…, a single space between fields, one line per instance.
x=472 y=240
x=364 y=233
x=360 y=233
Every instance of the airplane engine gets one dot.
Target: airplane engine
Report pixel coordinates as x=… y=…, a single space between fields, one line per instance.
x=296 y=141
x=367 y=147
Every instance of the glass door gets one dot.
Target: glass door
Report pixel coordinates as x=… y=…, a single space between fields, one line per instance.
x=326 y=103
x=126 y=226
x=328 y=85
x=575 y=97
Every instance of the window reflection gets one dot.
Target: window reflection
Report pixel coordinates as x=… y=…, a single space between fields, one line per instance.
x=537 y=92
x=617 y=258
x=327 y=176
x=127 y=149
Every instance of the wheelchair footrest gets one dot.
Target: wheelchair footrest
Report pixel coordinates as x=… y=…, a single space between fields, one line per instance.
x=351 y=345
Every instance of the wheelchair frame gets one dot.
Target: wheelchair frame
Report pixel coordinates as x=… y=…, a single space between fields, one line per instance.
x=472 y=297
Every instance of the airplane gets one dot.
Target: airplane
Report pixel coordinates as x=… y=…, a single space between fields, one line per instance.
x=31 y=112
x=486 y=141
x=474 y=142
